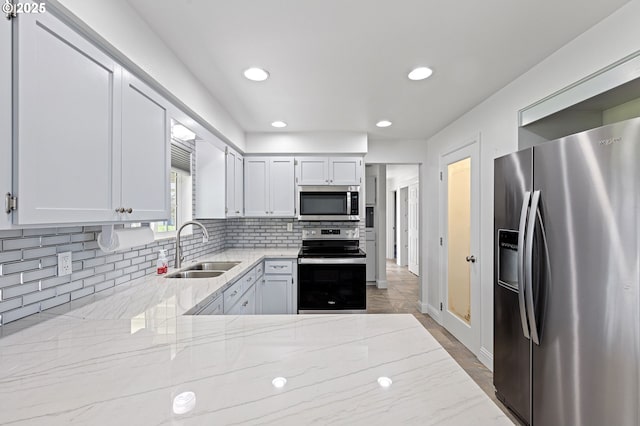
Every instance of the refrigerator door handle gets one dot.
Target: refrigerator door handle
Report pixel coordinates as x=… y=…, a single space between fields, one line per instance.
x=531 y=226
x=521 y=275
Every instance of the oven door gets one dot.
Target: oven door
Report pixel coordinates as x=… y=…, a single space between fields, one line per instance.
x=328 y=203
x=332 y=285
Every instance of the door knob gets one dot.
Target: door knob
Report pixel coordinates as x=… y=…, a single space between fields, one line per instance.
x=471 y=259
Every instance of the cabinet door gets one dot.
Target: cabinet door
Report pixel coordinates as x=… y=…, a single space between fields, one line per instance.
x=345 y=170
x=210 y=180
x=68 y=125
x=239 y=186
x=213 y=308
x=231 y=179
x=256 y=186
x=370 y=190
x=146 y=153
x=282 y=187
x=5 y=116
x=312 y=171
x=248 y=302
x=276 y=294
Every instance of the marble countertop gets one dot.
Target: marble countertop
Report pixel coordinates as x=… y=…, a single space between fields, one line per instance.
x=130 y=356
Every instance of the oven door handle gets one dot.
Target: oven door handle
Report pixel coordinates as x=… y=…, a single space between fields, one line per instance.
x=332 y=261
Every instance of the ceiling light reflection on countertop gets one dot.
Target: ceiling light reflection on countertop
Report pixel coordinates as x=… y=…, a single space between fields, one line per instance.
x=383 y=123
x=420 y=73
x=184 y=402
x=279 y=382
x=279 y=124
x=256 y=74
x=384 y=382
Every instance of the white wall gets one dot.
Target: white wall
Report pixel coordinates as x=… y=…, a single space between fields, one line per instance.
x=120 y=25
x=307 y=143
x=495 y=120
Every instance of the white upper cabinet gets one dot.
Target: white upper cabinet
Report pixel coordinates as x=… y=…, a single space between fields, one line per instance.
x=146 y=153
x=5 y=116
x=68 y=126
x=312 y=171
x=269 y=187
x=91 y=145
x=282 y=187
x=256 y=172
x=210 y=180
x=329 y=171
x=235 y=184
x=345 y=170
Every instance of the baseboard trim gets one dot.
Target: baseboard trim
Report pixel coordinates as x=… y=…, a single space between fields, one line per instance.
x=434 y=313
x=422 y=307
x=381 y=284
x=486 y=357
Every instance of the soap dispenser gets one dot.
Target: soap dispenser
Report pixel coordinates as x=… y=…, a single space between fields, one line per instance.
x=163 y=262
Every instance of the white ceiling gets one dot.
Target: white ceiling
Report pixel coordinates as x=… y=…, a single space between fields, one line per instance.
x=341 y=65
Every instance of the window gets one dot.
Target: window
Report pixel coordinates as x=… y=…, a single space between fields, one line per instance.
x=181 y=195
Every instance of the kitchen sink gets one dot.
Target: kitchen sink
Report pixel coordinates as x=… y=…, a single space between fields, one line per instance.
x=212 y=266
x=196 y=274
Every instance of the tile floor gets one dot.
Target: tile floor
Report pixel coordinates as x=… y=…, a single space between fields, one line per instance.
x=401 y=296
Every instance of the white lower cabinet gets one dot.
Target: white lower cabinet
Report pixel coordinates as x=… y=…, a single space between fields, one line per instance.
x=277 y=292
x=214 y=308
x=246 y=305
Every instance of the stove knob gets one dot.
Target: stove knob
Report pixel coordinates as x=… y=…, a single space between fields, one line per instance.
x=313 y=232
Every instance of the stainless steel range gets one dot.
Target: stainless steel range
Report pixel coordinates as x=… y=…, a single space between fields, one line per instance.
x=331 y=272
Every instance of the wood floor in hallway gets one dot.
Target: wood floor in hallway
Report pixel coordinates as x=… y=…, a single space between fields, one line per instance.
x=401 y=296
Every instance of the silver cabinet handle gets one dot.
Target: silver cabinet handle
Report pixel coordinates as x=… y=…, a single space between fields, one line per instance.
x=531 y=227
x=521 y=283
x=129 y=210
x=234 y=293
x=250 y=279
x=471 y=259
x=245 y=303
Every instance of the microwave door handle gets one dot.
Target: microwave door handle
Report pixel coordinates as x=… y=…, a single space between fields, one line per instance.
x=531 y=226
x=348 y=203
x=521 y=275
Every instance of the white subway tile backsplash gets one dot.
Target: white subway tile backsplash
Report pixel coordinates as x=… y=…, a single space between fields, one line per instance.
x=11 y=233
x=105 y=285
x=37 y=296
x=16 y=314
x=38 y=252
x=82 y=293
x=68 y=288
x=56 y=301
x=39 y=274
x=10 y=256
x=55 y=281
x=19 y=290
x=25 y=265
x=93 y=280
x=20 y=243
x=10 y=304
x=58 y=239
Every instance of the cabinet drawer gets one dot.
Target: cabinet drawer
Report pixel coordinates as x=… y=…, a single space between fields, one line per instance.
x=232 y=295
x=259 y=270
x=277 y=267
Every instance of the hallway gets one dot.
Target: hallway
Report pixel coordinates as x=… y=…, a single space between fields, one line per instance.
x=401 y=296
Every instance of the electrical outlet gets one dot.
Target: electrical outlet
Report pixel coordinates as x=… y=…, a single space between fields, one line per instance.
x=289 y=227
x=64 y=263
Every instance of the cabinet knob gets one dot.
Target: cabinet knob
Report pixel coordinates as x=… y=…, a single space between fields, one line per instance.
x=237 y=211
x=266 y=212
x=120 y=210
x=129 y=210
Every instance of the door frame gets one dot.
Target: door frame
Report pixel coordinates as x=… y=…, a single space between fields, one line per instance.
x=470 y=336
x=415 y=234
x=403 y=221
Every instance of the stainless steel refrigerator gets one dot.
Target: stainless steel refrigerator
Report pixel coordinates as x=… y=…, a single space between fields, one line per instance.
x=566 y=279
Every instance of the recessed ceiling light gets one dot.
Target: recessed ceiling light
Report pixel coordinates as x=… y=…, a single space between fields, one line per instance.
x=384 y=382
x=279 y=124
x=256 y=74
x=279 y=382
x=383 y=123
x=420 y=73
x=184 y=402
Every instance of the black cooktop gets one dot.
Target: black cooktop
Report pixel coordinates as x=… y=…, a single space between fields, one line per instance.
x=330 y=248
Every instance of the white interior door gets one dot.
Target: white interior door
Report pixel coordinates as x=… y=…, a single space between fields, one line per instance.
x=413 y=230
x=459 y=230
x=403 y=233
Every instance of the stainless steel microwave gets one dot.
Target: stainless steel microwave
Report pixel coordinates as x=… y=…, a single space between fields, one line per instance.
x=328 y=202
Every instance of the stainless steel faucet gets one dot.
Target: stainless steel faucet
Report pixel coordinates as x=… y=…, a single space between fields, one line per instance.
x=205 y=238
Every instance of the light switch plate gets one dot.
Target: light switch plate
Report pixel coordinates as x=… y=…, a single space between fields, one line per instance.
x=64 y=263
x=289 y=226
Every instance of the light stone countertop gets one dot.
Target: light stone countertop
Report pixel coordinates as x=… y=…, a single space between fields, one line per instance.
x=129 y=355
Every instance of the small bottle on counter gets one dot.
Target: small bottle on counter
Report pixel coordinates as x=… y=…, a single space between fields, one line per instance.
x=163 y=262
